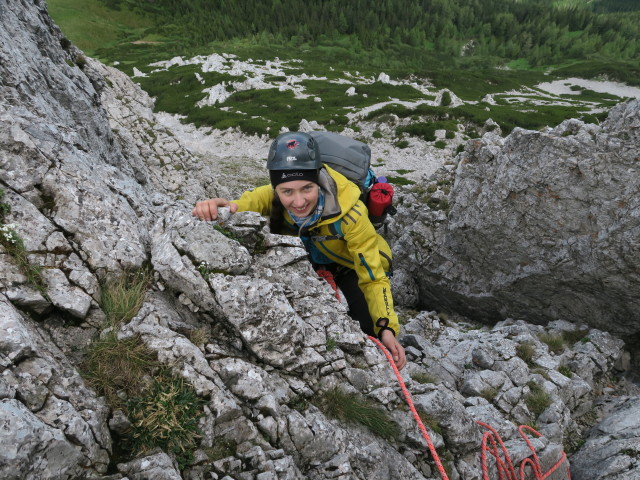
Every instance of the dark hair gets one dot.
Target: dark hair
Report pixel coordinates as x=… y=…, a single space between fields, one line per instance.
x=276 y=218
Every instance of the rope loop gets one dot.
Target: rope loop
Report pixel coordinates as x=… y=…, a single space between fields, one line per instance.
x=491 y=443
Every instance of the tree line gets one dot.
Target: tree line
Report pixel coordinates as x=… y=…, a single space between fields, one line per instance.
x=536 y=30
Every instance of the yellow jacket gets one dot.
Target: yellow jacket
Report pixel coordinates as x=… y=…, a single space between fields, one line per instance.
x=346 y=236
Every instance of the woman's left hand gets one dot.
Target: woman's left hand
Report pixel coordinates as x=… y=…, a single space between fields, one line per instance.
x=395 y=349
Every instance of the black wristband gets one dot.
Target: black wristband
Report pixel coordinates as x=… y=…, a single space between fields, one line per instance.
x=382 y=324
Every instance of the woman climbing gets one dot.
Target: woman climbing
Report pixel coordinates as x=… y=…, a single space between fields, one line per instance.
x=323 y=207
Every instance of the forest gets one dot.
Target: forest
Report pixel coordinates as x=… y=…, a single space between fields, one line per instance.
x=541 y=32
x=473 y=48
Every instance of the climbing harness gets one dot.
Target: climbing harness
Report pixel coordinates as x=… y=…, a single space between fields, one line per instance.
x=491 y=443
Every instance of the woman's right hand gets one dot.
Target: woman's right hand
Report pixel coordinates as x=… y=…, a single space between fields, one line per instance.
x=208 y=209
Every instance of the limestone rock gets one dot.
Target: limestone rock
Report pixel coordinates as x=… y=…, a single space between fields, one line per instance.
x=533 y=222
x=611 y=450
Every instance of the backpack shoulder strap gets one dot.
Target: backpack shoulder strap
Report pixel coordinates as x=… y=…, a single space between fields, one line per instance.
x=336 y=232
x=336 y=227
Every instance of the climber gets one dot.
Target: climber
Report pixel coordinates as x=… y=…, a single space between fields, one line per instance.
x=323 y=207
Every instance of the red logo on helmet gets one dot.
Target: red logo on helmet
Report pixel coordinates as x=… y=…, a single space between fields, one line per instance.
x=292 y=144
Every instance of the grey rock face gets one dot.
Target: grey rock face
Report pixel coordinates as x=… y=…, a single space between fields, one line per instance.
x=539 y=225
x=151 y=467
x=31 y=446
x=611 y=450
x=52 y=425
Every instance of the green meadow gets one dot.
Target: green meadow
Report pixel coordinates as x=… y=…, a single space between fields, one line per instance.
x=314 y=74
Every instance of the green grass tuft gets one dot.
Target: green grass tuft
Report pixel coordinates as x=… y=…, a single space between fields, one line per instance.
x=400 y=181
x=298 y=403
x=163 y=409
x=574 y=336
x=122 y=297
x=332 y=343
x=489 y=393
x=424 y=377
x=348 y=407
x=429 y=421
x=537 y=400
x=221 y=448
x=165 y=415
x=525 y=351
x=117 y=367
x=566 y=371
x=554 y=342
x=13 y=244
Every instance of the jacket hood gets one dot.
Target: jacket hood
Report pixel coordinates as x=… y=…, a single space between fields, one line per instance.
x=340 y=194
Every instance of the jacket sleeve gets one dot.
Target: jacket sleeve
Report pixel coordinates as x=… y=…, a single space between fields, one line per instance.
x=256 y=200
x=362 y=242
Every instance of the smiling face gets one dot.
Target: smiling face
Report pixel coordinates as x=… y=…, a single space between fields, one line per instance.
x=299 y=197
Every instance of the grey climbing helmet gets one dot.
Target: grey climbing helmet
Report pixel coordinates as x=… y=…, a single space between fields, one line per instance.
x=294 y=151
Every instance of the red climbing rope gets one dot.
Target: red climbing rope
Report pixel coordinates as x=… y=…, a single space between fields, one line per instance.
x=407 y=397
x=504 y=466
x=491 y=443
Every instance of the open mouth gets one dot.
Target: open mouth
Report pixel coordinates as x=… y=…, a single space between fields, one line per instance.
x=299 y=211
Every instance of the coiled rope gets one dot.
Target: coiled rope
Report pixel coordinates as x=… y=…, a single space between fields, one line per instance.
x=491 y=442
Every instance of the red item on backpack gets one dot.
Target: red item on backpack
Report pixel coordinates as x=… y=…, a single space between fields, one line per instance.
x=380 y=198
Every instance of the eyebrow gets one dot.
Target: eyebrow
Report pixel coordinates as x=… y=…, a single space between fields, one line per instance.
x=284 y=189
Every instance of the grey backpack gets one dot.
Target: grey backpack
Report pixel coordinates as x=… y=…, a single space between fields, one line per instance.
x=350 y=157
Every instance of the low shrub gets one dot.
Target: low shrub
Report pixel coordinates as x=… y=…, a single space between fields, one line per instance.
x=445 y=100
x=81 y=61
x=424 y=130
